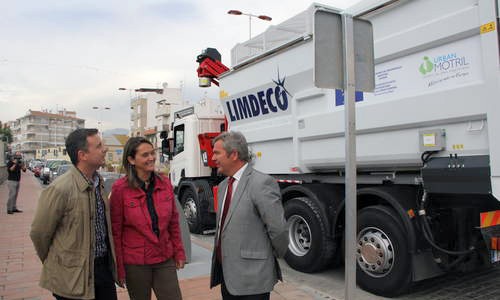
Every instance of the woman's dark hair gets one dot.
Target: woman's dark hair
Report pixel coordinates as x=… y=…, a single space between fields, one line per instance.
x=77 y=140
x=131 y=150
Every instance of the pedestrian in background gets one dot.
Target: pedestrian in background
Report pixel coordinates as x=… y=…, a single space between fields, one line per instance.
x=146 y=229
x=251 y=229
x=71 y=230
x=14 y=167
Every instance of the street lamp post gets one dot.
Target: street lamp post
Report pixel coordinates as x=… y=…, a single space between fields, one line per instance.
x=238 y=13
x=99 y=121
x=129 y=91
x=139 y=90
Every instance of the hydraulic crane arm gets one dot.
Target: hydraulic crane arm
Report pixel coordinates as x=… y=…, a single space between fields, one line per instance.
x=210 y=67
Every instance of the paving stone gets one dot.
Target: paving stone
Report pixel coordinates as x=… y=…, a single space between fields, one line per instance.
x=20 y=267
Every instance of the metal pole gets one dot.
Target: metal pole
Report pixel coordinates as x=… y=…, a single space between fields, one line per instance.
x=350 y=155
x=55 y=133
x=249 y=26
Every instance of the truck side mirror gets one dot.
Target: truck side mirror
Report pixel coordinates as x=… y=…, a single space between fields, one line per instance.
x=165 y=149
x=167 y=146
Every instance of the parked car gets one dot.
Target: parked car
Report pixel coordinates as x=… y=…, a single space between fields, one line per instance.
x=61 y=169
x=33 y=163
x=110 y=175
x=109 y=178
x=51 y=167
x=37 y=169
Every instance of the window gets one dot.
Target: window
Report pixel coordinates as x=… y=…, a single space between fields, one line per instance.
x=110 y=156
x=178 y=139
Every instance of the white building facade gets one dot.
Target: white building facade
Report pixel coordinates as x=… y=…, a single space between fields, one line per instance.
x=42 y=129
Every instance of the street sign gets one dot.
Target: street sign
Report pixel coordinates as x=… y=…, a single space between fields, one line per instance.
x=328 y=58
x=343 y=58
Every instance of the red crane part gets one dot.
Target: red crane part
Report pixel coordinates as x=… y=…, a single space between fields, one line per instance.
x=205 y=140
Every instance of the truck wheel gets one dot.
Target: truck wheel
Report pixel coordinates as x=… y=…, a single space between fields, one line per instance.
x=384 y=266
x=205 y=200
x=190 y=205
x=310 y=249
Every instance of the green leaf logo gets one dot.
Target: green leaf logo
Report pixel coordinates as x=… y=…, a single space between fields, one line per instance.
x=426 y=67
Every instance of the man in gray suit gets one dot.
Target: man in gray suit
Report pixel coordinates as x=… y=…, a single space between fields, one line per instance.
x=251 y=229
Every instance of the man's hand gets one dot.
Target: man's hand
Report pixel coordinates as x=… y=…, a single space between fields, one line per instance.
x=179 y=264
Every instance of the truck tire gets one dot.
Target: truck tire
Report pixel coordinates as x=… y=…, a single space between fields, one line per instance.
x=190 y=205
x=310 y=248
x=382 y=254
x=205 y=200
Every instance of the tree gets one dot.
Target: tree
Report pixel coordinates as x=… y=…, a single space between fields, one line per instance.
x=6 y=134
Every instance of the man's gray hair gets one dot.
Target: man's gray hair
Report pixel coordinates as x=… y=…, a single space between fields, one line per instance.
x=235 y=141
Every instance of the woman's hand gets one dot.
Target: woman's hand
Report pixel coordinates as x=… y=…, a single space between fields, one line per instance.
x=179 y=264
x=121 y=283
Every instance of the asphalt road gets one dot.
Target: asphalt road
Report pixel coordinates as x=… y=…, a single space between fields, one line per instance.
x=329 y=284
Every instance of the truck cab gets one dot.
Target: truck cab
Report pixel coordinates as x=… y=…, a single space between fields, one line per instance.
x=190 y=173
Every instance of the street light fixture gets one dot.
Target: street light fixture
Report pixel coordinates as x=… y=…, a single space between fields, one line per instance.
x=101 y=108
x=238 y=13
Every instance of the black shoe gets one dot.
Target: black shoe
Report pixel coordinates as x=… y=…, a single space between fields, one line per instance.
x=10 y=212
x=17 y=210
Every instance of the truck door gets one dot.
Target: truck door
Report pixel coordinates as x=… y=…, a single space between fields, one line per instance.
x=178 y=162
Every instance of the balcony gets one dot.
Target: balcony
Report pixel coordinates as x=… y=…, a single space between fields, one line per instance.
x=150 y=131
x=37 y=123
x=163 y=110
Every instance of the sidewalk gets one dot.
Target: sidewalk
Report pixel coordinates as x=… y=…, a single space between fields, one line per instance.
x=20 y=267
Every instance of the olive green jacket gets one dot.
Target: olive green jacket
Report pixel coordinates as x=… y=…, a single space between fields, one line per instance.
x=63 y=233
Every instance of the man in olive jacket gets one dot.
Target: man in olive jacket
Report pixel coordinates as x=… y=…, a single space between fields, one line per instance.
x=71 y=230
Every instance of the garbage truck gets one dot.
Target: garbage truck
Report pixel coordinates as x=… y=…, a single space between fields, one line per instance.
x=428 y=140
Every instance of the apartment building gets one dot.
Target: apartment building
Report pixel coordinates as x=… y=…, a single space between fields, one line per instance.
x=138 y=115
x=42 y=129
x=152 y=113
x=52 y=153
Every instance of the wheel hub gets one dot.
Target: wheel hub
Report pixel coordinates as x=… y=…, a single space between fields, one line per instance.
x=374 y=252
x=190 y=208
x=299 y=235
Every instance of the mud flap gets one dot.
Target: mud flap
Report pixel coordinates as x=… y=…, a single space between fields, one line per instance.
x=490 y=229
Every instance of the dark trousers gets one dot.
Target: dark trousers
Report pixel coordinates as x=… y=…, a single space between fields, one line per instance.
x=227 y=296
x=13 y=192
x=161 y=278
x=104 y=284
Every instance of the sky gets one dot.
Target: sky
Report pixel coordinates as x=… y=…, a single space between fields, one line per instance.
x=76 y=54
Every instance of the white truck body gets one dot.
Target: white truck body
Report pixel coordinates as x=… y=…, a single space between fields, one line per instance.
x=459 y=93
x=428 y=141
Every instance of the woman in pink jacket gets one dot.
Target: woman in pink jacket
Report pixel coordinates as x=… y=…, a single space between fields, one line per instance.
x=145 y=226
